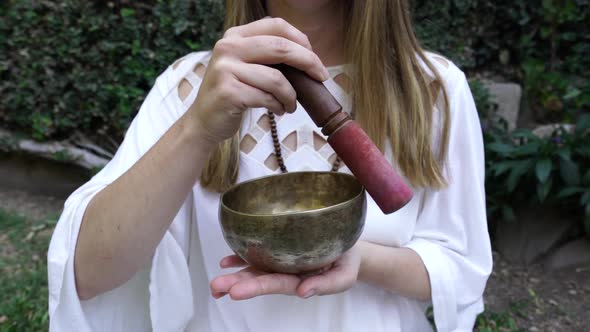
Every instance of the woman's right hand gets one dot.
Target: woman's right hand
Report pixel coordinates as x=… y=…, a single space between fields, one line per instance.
x=237 y=77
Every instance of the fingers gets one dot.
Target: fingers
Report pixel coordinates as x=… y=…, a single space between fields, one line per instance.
x=339 y=278
x=272 y=50
x=246 y=96
x=232 y=261
x=223 y=284
x=265 y=284
x=270 y=26
x=272 y=41
x=333 y=281
x=269 y=80
x=236 y=78
x=310 y=274
x=249 y=283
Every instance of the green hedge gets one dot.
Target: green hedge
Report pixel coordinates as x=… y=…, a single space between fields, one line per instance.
x=481 y=33
x=543 y=44
x=85 y=66
x=69 y=66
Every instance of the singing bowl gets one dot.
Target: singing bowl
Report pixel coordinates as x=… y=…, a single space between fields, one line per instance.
x=294 y=222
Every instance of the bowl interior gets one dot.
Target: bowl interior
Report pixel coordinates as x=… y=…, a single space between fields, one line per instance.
x=292 y=192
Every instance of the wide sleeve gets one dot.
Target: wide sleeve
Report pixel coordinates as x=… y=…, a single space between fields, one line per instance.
x=451 y=234
x=130 y=306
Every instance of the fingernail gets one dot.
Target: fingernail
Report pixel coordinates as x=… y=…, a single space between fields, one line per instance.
x=219 y=295
x=309 y=294
x=326 y=74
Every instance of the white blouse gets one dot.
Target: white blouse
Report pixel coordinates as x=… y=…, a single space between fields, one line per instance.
x=447 y=229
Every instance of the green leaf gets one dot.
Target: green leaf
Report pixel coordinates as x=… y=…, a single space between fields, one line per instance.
x=583 y=123
x=572 y=94
x=543 y=169
x=570 y=172
x=508 y=213
x=567 y=192
x=565 y=153
x=524 y=133
x=584 y=151
x=193 y=45
x=543 y=189
x=521 y=168
x=545 y=31
x=501 y=167
x=531 y=148
x=491 y=210
x=501 y=148
x=127 y=12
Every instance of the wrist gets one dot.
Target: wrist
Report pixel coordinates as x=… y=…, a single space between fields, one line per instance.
x=374 y=269
x=364 y=249
x=195 y=133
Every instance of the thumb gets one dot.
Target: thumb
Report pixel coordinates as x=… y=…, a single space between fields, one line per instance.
x=336 y=280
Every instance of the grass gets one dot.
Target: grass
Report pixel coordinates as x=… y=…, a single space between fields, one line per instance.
x=23 y=279
x=23 y=273
x=497 y=322
x=490 y=321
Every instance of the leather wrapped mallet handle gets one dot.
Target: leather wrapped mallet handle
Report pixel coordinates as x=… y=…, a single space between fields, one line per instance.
x=350 y=142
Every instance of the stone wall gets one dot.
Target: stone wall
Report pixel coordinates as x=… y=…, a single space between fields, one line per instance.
x=39 y=175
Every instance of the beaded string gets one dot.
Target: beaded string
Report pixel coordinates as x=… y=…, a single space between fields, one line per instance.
x=277 y=146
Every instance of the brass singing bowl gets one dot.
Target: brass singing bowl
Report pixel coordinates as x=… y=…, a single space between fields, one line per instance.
x=293 y=222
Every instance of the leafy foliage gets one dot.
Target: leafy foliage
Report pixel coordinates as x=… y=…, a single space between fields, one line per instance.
x=86 y=66
x=497 y=322
x=522 y=168
x=69 y=66
x=543 y=44
x=480 y=34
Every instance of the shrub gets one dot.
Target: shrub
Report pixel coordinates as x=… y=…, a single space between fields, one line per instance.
x=85 y=66
x=69 y=66
x=542 y=44
x=522 y=168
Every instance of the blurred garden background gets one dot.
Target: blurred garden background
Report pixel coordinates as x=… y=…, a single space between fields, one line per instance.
x=74 y=73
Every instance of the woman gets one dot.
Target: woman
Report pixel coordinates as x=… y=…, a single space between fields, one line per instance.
x=139 y=247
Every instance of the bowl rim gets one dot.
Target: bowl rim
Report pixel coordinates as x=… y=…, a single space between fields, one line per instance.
x=222 y=204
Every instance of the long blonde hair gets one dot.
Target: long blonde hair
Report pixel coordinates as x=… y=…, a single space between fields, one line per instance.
x=393 y=97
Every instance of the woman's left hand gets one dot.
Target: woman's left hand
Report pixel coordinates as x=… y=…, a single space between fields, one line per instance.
x=250 y=282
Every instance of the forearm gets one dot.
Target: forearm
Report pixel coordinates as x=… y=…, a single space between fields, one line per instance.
x=399 y=270
x=124 y=223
